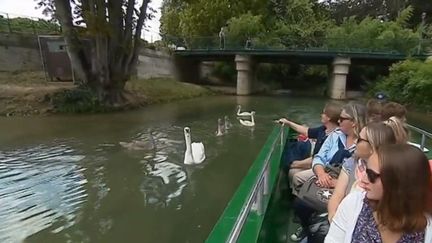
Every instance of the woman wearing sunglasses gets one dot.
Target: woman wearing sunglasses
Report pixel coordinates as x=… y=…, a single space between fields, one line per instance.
x=370 y=138
x=394 y=205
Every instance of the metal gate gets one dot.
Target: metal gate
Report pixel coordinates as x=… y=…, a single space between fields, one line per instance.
x=55 y=59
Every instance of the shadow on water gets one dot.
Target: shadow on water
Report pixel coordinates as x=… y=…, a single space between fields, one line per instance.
x=67 y=179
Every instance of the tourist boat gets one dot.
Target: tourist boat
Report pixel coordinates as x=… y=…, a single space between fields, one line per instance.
x=259 y=211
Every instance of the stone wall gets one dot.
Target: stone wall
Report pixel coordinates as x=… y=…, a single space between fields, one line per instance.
x=19 y=53
x=155 y=64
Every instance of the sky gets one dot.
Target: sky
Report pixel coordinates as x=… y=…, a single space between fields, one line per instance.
x=26 y=8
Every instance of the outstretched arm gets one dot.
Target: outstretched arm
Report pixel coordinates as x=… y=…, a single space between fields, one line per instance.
x=297 y=127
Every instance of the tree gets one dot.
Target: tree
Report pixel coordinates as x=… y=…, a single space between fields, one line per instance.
x=103 y=40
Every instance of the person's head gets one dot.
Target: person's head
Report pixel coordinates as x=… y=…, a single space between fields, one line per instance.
x=352 y=118
x=393 y=109
x=331 y=113
x=372 y=136
x=374 y=110
x=400 y=131
x=397 y=183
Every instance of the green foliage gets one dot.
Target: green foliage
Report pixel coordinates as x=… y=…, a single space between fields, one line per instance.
x=373 y=34
x=409 y=82
x=80 y=100
x=204 y=18
x=225 y=71
x=244 y=26
x=26 y=25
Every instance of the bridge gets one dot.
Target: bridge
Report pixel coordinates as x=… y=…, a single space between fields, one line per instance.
x=193 y=53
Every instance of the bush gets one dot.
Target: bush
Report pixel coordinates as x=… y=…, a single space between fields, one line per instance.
x=409 y=83
x=80 y=100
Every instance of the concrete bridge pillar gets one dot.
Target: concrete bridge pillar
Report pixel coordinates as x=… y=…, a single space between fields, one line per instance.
x=245 y=74
x=338 y=78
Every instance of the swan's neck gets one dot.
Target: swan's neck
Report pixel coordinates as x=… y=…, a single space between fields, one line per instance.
x=252 y=119
x=238 y=109
x=188 y=144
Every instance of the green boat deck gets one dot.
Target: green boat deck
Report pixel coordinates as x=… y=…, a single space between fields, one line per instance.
x=260 y=209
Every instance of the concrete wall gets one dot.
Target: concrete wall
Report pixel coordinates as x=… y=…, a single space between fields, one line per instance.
x=155 y=64
x=19 y=53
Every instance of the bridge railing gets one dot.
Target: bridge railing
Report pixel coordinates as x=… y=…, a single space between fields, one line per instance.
x=387 y=46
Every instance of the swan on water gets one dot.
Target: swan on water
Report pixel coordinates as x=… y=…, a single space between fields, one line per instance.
x=220 y=128
x=194 y=153
x=227 y=123
x=248 y=123
x=244 y=113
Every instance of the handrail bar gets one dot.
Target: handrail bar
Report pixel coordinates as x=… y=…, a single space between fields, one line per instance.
x=423 y=133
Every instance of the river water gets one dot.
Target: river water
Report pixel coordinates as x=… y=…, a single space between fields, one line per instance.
x=67 y=179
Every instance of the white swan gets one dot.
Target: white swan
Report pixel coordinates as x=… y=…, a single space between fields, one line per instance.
x=250 y=123
x=244 y=113
x=227 y=123
x=221 y=128
x=194 y=153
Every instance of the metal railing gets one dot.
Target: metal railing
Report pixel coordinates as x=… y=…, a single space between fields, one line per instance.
x=423 y=134
x=242 y=218
x=260 y=189
x=396 y=46
x=22 y=24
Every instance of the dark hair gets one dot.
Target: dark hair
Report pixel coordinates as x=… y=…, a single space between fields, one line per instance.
x=393 y=109
x=405 y=176
x=374 y=110
x=333 y=110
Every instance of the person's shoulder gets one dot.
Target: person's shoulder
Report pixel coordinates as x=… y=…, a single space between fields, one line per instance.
x=349 y=165
x=355 y=198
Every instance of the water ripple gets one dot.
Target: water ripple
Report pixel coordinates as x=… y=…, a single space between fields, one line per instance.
x=39 y=186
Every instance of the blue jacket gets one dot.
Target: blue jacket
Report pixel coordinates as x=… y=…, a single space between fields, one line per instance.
x=329 y=148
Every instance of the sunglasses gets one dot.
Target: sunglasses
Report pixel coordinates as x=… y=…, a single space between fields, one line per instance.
x=371 y=175
x=362 y=139
x=345 y=118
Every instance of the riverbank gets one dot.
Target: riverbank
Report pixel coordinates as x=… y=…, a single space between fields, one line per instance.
x=27 y=93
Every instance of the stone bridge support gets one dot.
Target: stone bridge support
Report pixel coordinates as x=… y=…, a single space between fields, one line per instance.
x=338 y=77
x=245 y=74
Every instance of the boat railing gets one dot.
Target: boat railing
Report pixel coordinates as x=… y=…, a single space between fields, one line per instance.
x=424 y=134
x=258 y=185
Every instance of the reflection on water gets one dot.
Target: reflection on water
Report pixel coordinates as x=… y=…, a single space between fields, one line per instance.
x=165 y=180
x=131 y=195
x=39 y=187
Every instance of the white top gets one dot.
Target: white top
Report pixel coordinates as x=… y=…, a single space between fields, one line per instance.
x=345 y=219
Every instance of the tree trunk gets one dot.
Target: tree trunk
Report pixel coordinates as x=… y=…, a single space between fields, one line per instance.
x=109 y=56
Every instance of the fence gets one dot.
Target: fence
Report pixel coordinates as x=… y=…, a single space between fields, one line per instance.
x=14 y=23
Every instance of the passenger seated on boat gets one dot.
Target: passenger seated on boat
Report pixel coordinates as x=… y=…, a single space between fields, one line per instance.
x=394 y=109
x=351 y=121
x=371 y=137
x=394 y=206
x=329 y=120
x=374 y=110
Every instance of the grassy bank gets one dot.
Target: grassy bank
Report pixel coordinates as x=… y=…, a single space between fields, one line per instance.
x=161 y=90
x=27 y=93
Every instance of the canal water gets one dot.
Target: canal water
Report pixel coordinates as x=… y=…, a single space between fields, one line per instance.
x=67 y=179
